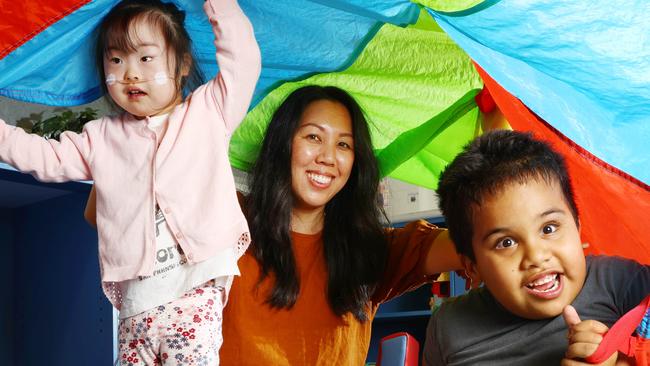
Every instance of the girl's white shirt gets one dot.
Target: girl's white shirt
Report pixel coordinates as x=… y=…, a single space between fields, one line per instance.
x=172 y=276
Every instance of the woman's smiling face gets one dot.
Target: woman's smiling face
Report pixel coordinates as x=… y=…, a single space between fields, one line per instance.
x=322 y=154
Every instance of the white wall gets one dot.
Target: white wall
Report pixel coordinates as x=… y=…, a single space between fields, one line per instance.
x=407 y=202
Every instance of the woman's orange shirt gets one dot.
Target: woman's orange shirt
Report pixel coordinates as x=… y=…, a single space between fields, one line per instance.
x=310 y=333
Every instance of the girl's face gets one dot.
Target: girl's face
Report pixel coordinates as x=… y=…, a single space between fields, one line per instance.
x=141 y=82
x=322 y=154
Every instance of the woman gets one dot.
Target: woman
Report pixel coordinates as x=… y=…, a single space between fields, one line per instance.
x=320 y=263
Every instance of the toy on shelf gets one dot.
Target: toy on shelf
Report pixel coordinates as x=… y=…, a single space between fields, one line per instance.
x=440 y=289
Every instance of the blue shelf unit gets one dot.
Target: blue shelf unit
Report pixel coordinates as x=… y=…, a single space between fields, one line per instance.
x=409 y=312
x=54 y=312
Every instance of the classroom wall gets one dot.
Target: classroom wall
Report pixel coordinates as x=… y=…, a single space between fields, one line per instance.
x=6 y=287
x=61 y=316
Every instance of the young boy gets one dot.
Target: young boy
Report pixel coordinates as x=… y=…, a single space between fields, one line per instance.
x=512 y=215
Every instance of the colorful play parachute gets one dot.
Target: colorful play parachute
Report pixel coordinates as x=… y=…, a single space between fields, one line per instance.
x=575 y=74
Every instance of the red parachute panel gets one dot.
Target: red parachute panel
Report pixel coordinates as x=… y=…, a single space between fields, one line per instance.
x=614 y=206
x=23 y=20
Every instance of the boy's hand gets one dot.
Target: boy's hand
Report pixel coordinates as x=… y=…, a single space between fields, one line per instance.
x=584 y=338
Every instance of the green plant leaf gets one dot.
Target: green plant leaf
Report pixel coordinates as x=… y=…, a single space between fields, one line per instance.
x=65 y=120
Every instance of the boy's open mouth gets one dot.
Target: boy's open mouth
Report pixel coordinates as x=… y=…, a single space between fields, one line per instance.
x=548 y=286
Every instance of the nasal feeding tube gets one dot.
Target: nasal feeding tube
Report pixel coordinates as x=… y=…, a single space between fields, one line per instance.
x=159 y=78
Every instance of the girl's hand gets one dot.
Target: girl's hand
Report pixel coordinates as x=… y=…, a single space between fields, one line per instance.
x=584 y=338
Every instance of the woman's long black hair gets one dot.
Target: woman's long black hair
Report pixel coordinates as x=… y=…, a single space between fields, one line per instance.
x=355 y=248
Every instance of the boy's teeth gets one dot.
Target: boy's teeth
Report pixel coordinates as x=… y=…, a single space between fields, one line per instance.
x=544 y=284
x=543 y=280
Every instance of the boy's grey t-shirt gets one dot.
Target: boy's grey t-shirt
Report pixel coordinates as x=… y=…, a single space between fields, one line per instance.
x=474 y=329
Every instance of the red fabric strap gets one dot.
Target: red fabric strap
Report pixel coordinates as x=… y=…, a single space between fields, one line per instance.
x=619 y=338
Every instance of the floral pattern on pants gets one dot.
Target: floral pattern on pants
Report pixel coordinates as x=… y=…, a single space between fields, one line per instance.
x=186 y=331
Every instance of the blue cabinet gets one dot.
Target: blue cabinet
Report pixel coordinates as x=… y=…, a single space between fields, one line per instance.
x=54 y=311
x=409 y=312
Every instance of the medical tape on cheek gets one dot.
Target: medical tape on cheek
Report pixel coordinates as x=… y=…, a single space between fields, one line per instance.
x=160 y=78
x=110 y=79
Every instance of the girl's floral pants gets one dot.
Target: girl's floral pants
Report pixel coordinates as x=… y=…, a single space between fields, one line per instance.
x=186 y=331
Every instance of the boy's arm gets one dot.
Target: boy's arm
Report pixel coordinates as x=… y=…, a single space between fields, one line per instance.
x=584 y=338
x=238 y=57
x=47 y=160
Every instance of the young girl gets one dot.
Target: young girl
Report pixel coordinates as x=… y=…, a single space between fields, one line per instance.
x=169 y=224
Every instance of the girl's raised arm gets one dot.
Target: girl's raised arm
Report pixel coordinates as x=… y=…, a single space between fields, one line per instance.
x=239 y=60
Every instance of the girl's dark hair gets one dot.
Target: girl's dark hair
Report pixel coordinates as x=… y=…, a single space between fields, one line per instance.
x=355 y=248
x=114 y=33
x=487 y=165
